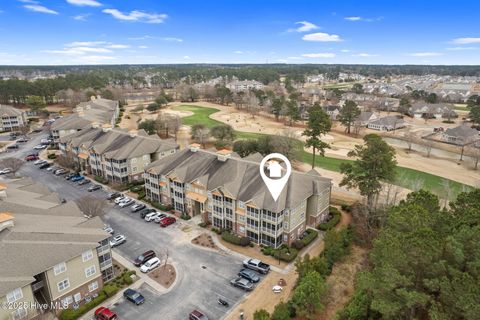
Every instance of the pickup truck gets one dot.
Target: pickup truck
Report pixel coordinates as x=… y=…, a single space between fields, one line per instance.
x=256 y=265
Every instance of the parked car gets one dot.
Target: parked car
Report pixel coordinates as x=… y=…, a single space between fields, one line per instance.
x=44 y=165
x=160 y=218
x=256 y=265
x=39 y=162
x=137 y=207
x=118 y=240
x=77 y=178
x=52 y=169
x=146 y=211
x=84 y=181
x=31 y=157
x=22 y=140
x=167 y=221
x=71 y=175
x=127 y=202
x=144 y=257
x=120 y=199
x=151 y=216
x=5 y=171
x=113 y=195
x=95 y=187
x=133 y=296
x=13 y=147
x=39 y=147
x=108 y=229
x=103 y=313
x=242 y=284
x=197 y=315
x=150 y=265
x=60 y=172
x=248 y=274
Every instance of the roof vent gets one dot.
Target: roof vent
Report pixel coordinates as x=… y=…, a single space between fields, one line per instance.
x=95 y=125
x=133 y=133
x=106 y=127
x=223 y=155
x=194 y=147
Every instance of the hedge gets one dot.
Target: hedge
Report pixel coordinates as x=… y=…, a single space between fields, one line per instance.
x=71 y=314
x=52 y=156
x=100 y=179
x=185 y=216
x=110 y=290
x=286 y=254
x=334 y=220
x=232 y=238
x=307 y=239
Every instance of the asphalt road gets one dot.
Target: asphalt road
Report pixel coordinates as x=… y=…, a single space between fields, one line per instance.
x=202 y=276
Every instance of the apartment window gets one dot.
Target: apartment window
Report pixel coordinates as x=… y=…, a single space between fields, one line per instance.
x=134 y=160
x=145 y=157
x=241 y=218
x=87 y=255
x=134 y=169
x=93 y=286
x=241 y=204
x=59 y=268
x=62 y=285
x=15 y=295
x=67 y=301
x=90 y=271
x=19 y=314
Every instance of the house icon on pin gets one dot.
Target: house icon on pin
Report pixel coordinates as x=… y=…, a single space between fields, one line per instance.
x=274 y=169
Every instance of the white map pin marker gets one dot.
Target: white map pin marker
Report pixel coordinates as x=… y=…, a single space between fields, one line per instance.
x=275 y=186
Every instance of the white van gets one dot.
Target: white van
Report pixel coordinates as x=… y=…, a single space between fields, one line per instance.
x=150 y=265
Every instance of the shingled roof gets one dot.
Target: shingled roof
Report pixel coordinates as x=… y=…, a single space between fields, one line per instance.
x=9 y=111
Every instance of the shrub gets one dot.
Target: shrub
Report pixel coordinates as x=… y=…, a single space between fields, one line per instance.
x=202 y=224
x=141 y=195
x=217 y=231
x=346 y=207
x=71 y=314
x=161 y=206
x=448 y=121
x=185 y=216
x=137 y=188
x=334 y=220
x=110 y=290
x=100 y=179
x=286 y=254
x=127 y=279
x=268 y=251
x=232 y=238
x=52 y=156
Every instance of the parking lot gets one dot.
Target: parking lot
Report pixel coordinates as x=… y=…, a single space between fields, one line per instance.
x=202 y=275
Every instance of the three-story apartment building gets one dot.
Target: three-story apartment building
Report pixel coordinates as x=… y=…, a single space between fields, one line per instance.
x=11 y=119
x=51 y=255
x=229 y=193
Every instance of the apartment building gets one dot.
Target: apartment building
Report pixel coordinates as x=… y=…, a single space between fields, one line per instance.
x=117 y=155
x=245 y=85
x=11 y=119
x=228 y=192
x=51 y=256
x=97 y=111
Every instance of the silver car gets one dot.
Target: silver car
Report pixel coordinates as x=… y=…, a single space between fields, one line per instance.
x=242 y=284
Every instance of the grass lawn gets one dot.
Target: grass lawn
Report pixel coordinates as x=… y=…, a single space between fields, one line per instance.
x=407 y=177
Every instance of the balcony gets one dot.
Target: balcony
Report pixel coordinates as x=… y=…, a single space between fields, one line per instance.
x=253 y=228
x=106 y=264
x=103 y=250
x=38 y=285
x=253 y=215
x=269 y=231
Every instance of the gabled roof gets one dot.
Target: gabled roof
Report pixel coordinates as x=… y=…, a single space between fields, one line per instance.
x=9 y=111
x=462 y=131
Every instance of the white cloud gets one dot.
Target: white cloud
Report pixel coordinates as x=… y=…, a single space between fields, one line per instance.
x=460 y=48
x=354 y=18
x=85 y=43
x=358 y=18
x=39 y=8
x=305 y=26
x=142 y=38
x=82 y=17
x=29 y=1
x=79 y=50
x=137 y=16
x=345 y=50
x=118 y=46
x=85 y=3
x=238 y=52
x=186 y=57
x=322 y=37
x=142 y=47
x=425 y=54
x=466 y=40
x=171 y=39
x=365 y=55
x=319 y=55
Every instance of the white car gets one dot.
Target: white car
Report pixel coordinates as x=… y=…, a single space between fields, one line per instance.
x=39 y=147
x=150 y=265
x=160 y=217
x=120 y=199
x=5 y=171
x=125 y=203
x=117 y=240
x=108 y=229
x=152 y=216
x=39 y=162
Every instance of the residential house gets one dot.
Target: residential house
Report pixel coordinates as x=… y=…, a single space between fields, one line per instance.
x=388 y=123
x=461 y=135
x=12 y=118
x=228 y=192
x=332 y=111
x=49 y=252
x=244 y=86
x=117 y=155
x=428 y=111
x=365 y=117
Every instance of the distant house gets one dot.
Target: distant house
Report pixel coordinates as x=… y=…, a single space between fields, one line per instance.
x=461 y=135
x=332 y=111
x=388 y=123
x=366 y=117
x=388 y=104
x=11 y=118
x=238 y=86
x=428 y=111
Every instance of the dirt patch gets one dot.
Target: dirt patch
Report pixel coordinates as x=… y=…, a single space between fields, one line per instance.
x=165 y=275
x=204 y=240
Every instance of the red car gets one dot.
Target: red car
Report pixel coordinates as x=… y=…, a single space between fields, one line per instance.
x=104 y=313
x=31 y=157
x=165 y=222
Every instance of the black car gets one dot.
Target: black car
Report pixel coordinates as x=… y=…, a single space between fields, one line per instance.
x=133 y=296
x=94 y=187
x=45 y=165
x=144 y=257
x=113 y=195
x=144 y=212
x=13 y=147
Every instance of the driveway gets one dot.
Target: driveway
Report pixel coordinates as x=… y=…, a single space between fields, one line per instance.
x=202 y=275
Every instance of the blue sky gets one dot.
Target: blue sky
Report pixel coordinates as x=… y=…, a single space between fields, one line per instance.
x=51 y=32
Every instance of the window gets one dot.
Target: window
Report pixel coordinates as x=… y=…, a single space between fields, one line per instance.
x=146 y=157
x=67 y=301
x=15 y=295
x=90 y=271
x=241 y=204
x=19 y=314
x=87 y=255
x=77 y=297
x=59 y=268
x=93 y=286
x=134 y=160
x=62 y=285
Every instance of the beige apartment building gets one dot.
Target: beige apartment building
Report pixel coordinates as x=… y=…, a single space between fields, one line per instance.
x=117 y=155
x=51 y=256
x=229 y=193
x=11 y=119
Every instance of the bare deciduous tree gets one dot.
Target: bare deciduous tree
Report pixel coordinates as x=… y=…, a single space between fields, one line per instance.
x=66 y=161
x=410 y=139
x=13 y=164
x=24 y=130
x=167 y=253
x=428 y=145
x=92 y=206
x=474 y=153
